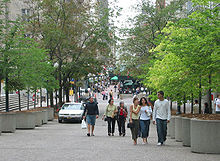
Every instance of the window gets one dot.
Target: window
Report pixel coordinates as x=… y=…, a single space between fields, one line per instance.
x=25 y=13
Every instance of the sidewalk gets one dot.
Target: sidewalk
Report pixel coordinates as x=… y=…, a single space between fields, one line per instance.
x=67 y=141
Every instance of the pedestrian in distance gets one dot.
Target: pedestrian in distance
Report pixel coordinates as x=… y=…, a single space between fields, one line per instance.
x=103 y=95
x=110 y=114
x=145 y=114
x=111 y=94
x=91 y=113
x=206 y=110
x=134 y=119
x=196 y=107
x=161 y=116
x=217 y=104
x=121 y=118
x=115 y=87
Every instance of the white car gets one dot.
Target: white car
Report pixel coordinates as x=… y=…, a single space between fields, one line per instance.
x=71 y=112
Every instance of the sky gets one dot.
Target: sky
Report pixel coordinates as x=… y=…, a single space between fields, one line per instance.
x=127 y=10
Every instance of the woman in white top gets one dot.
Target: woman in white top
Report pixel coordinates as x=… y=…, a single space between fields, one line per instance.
x=145 y=113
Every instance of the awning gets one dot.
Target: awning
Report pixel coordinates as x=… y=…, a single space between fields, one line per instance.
x=129 y=84
x=114 y=78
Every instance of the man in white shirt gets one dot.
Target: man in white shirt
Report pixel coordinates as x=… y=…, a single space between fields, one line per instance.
x=161 y=116
x=217 y=104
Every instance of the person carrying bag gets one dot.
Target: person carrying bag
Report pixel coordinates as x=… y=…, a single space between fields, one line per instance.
x=110 y=113
x=134 y=119
x=121 y=118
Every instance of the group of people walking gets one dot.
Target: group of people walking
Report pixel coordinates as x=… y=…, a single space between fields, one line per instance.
x=141 y=112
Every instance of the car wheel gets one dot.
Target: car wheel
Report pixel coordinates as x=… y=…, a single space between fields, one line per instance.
x=60 y=121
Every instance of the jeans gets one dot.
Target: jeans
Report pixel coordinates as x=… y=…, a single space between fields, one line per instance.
x=121 y=124
x=111 y=125
x=135 y=129
x=161 y=130
x=145 y=125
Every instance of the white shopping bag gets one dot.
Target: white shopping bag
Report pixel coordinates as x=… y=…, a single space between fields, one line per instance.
x=83 y=124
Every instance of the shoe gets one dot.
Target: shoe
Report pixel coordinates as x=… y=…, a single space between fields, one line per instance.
x=119 y=134
x=123 y=135
x=88 y=134
x=93 y=135
x=159 y=144
x=109 y=134
x=112 y=134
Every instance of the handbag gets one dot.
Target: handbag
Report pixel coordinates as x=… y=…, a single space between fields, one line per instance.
x=130 y=125
x=83 y=124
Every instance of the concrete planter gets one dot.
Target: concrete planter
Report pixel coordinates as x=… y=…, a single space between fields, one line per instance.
x=168 y=129
x=178 y=128
x=25 y=120
x=186 y=131
x=205 y=136
x=0 y=125
x=45 y=116
x=38 y=118
x=172 y=127
x=8 y=122
x=50 y=112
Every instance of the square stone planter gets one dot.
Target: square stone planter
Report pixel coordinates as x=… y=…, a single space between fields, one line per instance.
x=186 y=138
x=38 y=118
x=172 y=127
x=205 y=136
x=8 y=122
x=50 y=112
x=178 y=128
x=25 y=120
x=44 y=116
x=0 y=125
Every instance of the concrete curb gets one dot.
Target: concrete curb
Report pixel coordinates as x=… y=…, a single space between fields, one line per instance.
x=205 y=136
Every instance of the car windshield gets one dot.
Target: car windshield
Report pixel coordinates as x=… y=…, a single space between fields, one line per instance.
x=72 y=107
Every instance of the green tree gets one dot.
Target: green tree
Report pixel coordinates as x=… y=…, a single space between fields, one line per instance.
x=194 y=42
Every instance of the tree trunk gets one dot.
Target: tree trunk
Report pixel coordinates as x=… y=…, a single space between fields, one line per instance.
x=210 y=94
x=192 y=100
x=28 y=95
x=75 y=93
x=40 y=97
x=47 y=98
x=6 y=94
x=56 y=99
x=171 y=104
x=178 y=108
x=200 y=96
x=19 y=100
x=35 y=98
x=66 y=88
x=60 y=83
x=67 y=94
x=184 y=104
x=51 y=99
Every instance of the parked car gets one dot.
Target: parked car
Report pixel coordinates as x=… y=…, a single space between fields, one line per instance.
x=71 y=112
